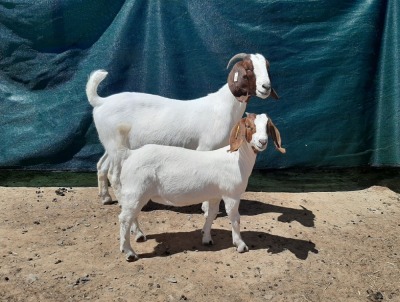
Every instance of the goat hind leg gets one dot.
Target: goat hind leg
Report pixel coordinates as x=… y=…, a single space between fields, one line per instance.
x=102 y=179
x=205 y=206
x=114 y=174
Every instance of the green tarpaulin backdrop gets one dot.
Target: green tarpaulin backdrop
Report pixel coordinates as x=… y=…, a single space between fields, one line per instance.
x=335 y=65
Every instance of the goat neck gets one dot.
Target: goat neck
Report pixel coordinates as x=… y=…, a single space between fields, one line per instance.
x=237 y=107
x=225 y=95
x=225 y=110
x=246 y=159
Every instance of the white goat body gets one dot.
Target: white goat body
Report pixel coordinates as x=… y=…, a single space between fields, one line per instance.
x=201 y=124
x=179 y=177
x=158 y=120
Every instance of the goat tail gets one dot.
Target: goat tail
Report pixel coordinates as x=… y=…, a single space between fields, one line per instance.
x=91 y=87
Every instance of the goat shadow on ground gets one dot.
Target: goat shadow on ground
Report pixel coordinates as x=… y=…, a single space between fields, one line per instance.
x=248 y=208
x=181 y=242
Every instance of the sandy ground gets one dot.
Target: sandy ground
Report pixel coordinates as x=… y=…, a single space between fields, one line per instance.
x=62 y=245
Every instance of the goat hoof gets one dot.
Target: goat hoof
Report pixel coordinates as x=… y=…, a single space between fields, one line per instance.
x=242 y=248
x=130 y=257
x=107 y=200
x=208 y=242
x=140 y=238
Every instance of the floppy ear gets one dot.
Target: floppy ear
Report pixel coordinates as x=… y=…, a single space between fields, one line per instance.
x=238 y=82
x=273 y=132
x=273 y=93
x=237 y=135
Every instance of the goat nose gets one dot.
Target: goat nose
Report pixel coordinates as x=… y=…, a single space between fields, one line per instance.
x=262 y=141
x=267 y=86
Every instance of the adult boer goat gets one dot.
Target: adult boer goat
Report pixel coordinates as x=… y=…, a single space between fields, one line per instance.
x=179 y=177
x=199 y=124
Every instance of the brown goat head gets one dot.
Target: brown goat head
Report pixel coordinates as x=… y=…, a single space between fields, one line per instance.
x=242 y=78
x=243 y=130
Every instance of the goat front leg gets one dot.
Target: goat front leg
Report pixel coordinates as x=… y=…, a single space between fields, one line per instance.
x=232 y=209
x=125 y=220
x=212 y=211
x=102 y=179
x=131 y=206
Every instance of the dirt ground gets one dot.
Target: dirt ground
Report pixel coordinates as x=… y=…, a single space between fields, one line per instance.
x=61 y=244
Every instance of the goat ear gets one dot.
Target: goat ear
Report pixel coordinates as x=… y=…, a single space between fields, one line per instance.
x=244 y=98
x=273 y=132
x=237 y=135
x=239 y=83
x=274 y=94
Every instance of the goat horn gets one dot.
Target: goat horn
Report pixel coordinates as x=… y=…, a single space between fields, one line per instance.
x=241 y=55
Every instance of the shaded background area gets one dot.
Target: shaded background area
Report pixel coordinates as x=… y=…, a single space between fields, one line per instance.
x=334 y=64
x=268 y=180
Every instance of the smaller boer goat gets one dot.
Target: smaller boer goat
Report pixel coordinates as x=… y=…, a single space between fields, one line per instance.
x=199 y=124
x=180 y=177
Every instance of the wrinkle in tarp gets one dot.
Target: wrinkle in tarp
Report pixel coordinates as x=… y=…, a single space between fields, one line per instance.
x=335 y=65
